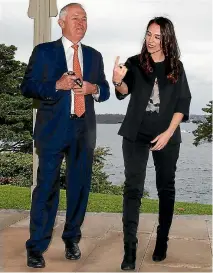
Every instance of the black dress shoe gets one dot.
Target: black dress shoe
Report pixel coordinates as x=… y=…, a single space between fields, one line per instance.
x=35 y=259
x=72 y=251
x=159 y=253
x=129 y=257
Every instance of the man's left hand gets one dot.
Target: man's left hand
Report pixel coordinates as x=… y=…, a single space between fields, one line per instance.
x=86 y=89
x=161 y=141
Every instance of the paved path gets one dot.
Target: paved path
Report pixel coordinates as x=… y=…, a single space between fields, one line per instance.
x=189 y=249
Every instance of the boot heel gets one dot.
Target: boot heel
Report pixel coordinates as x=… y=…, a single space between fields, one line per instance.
x=159 y=253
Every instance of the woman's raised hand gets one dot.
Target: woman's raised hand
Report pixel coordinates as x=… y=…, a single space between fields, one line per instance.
x=119 y=71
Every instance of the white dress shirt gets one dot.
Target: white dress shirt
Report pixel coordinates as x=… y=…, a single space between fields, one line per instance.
x=69 y=53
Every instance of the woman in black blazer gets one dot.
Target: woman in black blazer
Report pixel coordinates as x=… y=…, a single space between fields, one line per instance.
x=160 y=100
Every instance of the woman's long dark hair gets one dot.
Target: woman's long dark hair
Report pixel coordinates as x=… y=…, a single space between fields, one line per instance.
x=169 y=46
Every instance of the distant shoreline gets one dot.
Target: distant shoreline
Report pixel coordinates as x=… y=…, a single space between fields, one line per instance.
x=118 y=118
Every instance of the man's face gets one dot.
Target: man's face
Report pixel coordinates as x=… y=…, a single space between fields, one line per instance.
x=74 y=25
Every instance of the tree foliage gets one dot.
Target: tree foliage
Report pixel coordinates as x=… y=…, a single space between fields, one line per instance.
x=203 y=133
x=15 y=110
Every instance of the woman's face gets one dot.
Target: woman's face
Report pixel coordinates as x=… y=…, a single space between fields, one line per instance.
x=153 y=38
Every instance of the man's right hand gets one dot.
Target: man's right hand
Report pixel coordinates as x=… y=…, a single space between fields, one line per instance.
x=66 y=82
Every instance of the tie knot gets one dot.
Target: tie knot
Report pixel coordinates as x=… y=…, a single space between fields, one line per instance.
x=75 y=47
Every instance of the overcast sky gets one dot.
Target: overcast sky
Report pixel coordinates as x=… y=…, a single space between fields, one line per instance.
x=117 y=27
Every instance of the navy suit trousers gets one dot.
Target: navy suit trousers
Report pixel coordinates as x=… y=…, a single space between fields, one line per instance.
x=79 y=156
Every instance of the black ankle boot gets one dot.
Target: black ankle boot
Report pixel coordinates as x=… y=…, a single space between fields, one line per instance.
x=129 y=257
x=159 y=253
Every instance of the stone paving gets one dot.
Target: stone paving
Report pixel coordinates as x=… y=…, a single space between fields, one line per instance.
x=190 y=244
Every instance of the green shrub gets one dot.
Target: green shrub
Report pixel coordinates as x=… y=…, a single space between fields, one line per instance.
x=17 y=169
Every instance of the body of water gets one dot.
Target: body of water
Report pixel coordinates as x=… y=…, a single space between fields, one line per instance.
x=193 y=175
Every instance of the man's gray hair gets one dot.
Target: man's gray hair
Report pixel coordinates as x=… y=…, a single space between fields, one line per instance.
x=63 y=11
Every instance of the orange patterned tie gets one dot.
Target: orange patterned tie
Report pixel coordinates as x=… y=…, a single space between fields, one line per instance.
x=79 y=100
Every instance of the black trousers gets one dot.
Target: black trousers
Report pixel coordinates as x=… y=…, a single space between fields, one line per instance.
x=135 y=161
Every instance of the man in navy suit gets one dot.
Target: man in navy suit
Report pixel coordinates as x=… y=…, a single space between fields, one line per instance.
x=62 y=129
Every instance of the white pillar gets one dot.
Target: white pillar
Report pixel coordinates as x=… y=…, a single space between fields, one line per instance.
x=41 y=11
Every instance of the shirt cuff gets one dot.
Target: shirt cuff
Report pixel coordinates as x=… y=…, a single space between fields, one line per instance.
x=96 y=96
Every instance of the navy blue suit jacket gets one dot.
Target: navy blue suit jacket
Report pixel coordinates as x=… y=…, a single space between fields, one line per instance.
x=46 y=65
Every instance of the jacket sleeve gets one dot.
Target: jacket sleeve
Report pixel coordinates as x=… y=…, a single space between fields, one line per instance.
x=183 y=103
x=102 y=83
x=34 y=84
x=128 y=79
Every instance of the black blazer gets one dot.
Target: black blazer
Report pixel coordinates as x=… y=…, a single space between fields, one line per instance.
x=173 y=98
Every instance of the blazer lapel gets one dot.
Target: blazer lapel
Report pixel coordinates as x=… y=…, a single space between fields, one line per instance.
x=165 y=90
x=87 y=63
x=61 y=62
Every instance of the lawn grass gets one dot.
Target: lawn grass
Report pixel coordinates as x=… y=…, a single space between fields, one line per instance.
x=12 y=197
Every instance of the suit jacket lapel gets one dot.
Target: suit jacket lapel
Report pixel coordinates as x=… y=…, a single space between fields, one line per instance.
x=86 y=62
x=61 y=62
